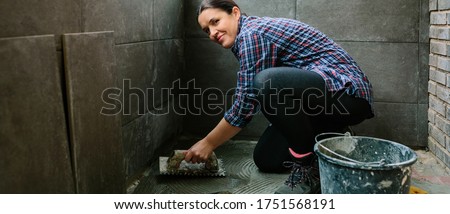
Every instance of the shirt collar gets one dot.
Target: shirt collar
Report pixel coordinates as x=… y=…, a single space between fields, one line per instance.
x=241 y=21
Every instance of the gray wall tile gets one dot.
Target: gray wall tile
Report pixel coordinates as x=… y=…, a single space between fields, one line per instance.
x=424 y=70
x=192 y=28
x=165 y=126
x=392 y=69
x=135 y=63
x=96 y=140
x=132 y=21
x=422 y=124
x=192 y=126
x=363 y=20
x=393 y=121
x=169 y=62
x=146 y=72
x=205 y=109
x=424 y=24
x=35 y=155
x=25 y=18
x=251 y=132
x=145 y=136
x=168 y=19
x=271 y=8
x=137 y=146
x=210 y=112
x=102 y=15
x=210 y=65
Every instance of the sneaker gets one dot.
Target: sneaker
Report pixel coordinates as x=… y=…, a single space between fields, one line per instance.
x=304 y=177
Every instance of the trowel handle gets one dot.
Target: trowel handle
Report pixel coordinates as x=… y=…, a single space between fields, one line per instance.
x=176 y=158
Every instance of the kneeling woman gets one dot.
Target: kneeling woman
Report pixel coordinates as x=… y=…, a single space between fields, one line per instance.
x=302 y=81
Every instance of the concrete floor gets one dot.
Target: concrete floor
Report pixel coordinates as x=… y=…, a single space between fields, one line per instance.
x=243 y=177
x=430 y=175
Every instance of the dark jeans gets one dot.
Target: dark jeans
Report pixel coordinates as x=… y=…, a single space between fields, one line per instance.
x=298 y=106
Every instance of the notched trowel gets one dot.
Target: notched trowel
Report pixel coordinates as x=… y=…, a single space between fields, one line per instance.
x=176 y=165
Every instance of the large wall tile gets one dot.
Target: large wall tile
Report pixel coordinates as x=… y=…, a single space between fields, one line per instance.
x=135 y=64
x=169 y=63
x=192 y=28
x=422 y=124
x=34 y=146
x=168 y=19
x=145 y=136
x=392 y=69
x=132 y=21
x=210 y=111
x=210 y=65
x=138 y=146
x=208 y=107
x=392 y=121
x=424 y=24
x=424 y=71
x=96 y=138
x=363 y=20
x=193 y=126
x=165 y=126
x=25 y=18
x=270 y=8
x=146 y=74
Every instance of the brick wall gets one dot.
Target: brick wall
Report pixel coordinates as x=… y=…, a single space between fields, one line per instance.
x=439 y=80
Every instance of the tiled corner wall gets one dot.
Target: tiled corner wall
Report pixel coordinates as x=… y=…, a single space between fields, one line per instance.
x=439 y=80
x=51 y=92
x=388 y=38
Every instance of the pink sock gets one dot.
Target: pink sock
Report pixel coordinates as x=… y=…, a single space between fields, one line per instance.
x=298 y=156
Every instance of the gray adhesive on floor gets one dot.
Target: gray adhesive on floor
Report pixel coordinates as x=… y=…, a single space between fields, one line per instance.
x=242 y=176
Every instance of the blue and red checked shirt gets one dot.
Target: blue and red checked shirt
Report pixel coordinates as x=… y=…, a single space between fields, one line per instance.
x=264 y=42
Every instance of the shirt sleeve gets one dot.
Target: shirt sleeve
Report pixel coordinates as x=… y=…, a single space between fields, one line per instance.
x=255 y=54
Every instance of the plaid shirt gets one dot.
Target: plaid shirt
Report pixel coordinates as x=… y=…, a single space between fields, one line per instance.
x=264 y=42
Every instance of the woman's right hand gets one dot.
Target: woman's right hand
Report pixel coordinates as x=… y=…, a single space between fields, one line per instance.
x=199 y=152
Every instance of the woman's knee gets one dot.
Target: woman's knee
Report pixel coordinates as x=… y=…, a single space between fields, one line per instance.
x=267 y=75
x=264 y=164
x=262 y=78
x=271 y=151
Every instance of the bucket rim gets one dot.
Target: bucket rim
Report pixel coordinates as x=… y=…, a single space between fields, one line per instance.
x=350 y=164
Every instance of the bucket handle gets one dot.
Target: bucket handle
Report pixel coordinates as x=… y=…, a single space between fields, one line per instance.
x=381 y=162
x=347 y=134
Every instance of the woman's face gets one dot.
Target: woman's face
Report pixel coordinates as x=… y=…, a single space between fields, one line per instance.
x=221 y=27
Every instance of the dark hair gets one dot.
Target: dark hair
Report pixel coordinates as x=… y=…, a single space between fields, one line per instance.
x=225 y=5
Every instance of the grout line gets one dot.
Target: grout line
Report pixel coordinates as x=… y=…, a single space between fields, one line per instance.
x=295 y=9
x=82 y=27
x=147 y=41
